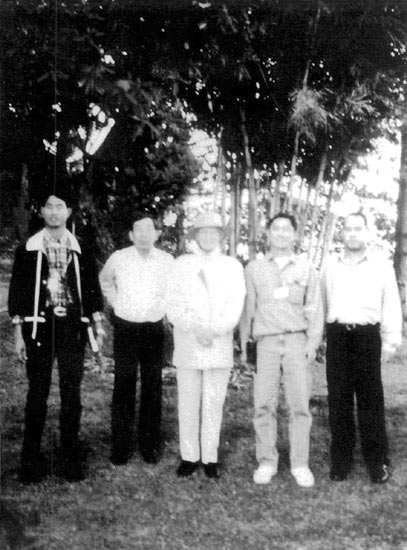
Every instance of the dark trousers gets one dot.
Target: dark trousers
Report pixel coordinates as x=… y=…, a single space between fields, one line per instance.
x=137 y=344
x=354 y=369
x=61 y=339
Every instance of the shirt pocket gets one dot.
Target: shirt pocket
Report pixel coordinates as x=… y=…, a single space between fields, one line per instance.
x=296 y=293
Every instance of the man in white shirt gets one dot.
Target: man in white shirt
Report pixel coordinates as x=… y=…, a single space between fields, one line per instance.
x=206 y=301
x=362 y=312
x=134 y=281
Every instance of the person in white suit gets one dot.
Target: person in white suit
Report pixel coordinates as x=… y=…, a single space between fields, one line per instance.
x=206 y=300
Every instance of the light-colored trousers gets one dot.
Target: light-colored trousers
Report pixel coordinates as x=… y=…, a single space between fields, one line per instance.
x=282 y=356
x=201 y=395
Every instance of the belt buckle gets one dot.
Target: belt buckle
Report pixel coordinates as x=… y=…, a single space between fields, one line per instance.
x=60 y=311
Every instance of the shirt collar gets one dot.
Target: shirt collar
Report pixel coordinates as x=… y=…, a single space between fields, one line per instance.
x=150 y=256
x=63 y=239
x=366 y=256
x=291 y=258
x=214 y=254
x=36 y=242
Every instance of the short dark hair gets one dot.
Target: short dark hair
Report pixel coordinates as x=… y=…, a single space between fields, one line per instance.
x=284 y=216
x=62 y=190
x=360 y=214
x=138 y=215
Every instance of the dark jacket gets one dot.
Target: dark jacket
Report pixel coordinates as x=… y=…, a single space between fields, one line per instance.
x=22 y=291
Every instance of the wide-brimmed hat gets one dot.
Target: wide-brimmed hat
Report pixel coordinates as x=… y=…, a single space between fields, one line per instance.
x=208 y=219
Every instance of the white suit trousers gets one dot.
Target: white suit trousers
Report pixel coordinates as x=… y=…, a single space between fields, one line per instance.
x=201 y=395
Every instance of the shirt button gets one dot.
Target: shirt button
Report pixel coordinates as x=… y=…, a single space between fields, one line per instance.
x=39 y=344
x=44 y=282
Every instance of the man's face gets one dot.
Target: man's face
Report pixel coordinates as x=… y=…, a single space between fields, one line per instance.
x=355 y=234
x=208 y=238
x=144 y=234
x=281 y=234
x=55 y=212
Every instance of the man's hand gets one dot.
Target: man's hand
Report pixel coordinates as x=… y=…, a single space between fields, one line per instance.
x=19 y=344
x=206 y=342
x=100 y=334
x=310 y=353
x=205 y=337
x=99 y=340
x=243 y=356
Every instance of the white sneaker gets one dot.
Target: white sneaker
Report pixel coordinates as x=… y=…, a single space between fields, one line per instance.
x=303 y=476
x=264 y=473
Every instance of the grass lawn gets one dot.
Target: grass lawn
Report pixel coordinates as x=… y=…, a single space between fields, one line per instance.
x=148 y=508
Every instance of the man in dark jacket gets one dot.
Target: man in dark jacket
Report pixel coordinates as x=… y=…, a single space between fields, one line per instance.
x=54 y=298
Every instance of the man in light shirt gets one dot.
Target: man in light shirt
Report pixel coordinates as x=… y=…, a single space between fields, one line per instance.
x=283 y=313
x=363 y=315
x=134 y=281
x=206 y=301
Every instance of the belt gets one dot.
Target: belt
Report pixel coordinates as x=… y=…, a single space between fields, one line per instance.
x=354 y=326
x=59 y=311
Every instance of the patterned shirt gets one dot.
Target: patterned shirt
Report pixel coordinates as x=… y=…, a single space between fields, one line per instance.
x=58 y=255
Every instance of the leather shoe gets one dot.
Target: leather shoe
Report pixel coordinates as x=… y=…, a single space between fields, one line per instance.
x=186 y=468
x=212 y=470
x=338 y=475
x=119 y=459
x=151 y=457
x=74 y=471
x=379 y=474
x=33 y=470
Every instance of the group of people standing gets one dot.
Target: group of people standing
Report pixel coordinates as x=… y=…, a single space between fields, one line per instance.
x=56 y=299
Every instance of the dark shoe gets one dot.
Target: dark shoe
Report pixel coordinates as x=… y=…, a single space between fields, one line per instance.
x=338 y=475
x=74 y=471
x=379 y=474
x=33 y=471
x=186 y=468
x=152 y=457
x=212 y=470
x=119 y=459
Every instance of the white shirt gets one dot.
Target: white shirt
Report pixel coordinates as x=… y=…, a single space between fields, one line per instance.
x=137 y=286
x=364 y=293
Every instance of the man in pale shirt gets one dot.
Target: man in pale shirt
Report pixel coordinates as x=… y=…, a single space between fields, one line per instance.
x=363 y=315
x=283 y=313
x=134 y=281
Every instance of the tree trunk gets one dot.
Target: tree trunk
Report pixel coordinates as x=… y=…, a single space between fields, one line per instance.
x=218 y=182
x=289 y=197
x=400 y=254
x=223 y=189
x=20 y=212
x=252 y=208
x=302 y=222
x=314 y=214
x=275 y=206
x=322 y=248
x=238 y=204
x=232 y=224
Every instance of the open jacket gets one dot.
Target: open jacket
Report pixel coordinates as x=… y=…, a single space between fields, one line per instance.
x=206 y=293
x=28 y=285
